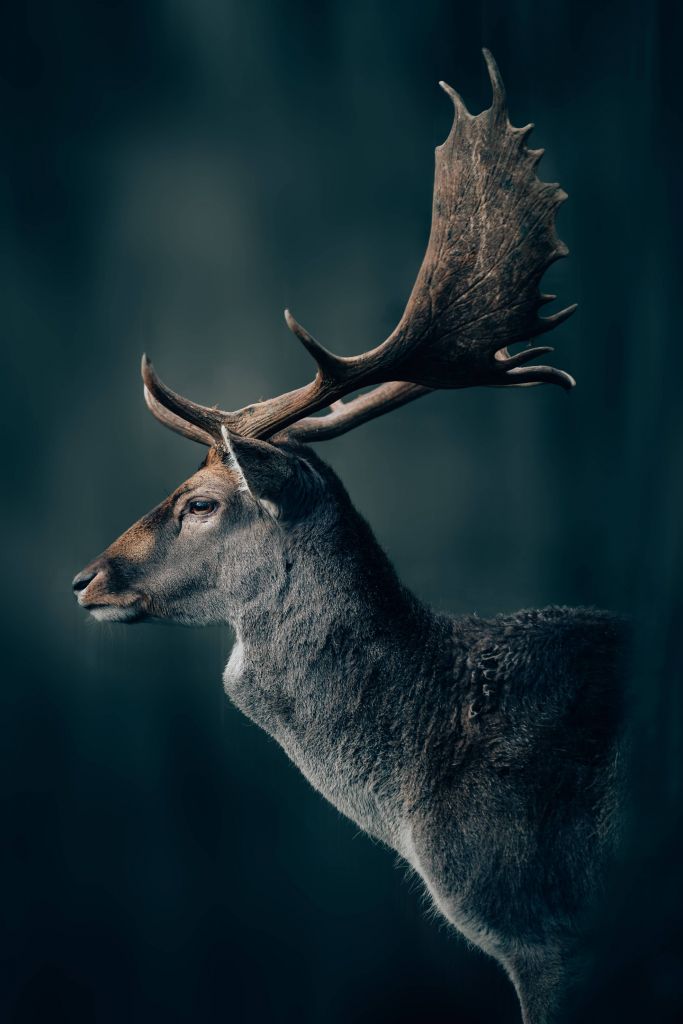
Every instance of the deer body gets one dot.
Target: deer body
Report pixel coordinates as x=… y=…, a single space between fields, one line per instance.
x=484 y=752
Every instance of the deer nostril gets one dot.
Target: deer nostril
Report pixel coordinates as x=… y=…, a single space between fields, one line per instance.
x=81 y=581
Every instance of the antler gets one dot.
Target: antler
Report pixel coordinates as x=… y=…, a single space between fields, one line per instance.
x=492 y=239
x=344 y=416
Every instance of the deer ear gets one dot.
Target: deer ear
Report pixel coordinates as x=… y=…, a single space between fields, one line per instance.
x=270 y=475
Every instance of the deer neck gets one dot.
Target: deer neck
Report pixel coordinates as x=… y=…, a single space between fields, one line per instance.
x=320 y=613
x=323 y=660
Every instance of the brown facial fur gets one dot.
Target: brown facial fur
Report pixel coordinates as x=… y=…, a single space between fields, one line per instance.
x=119 y=572
x=137 y=543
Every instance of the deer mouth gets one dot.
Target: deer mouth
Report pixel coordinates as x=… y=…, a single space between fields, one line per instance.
x=110 y=607
x=117 y=609
x=113 y=612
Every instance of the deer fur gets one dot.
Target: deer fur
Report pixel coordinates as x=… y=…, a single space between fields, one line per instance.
x=484 y=752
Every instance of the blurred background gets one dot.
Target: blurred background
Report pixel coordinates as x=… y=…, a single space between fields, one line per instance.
x=174 y=174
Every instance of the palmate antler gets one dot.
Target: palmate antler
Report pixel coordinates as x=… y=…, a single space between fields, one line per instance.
x=492 y=239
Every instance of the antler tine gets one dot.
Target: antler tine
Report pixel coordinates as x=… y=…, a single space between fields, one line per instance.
x=346 y=416
x=176 y=423
x=458 y=102
x=329 y=366
x=207 y=419
x=525 y=356
x=499 y=100
x=540 y=375
x=554 y=319
x=477 y=293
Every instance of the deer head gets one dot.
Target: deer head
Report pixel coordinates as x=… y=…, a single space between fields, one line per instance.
x=477 y=294
x=213 y=545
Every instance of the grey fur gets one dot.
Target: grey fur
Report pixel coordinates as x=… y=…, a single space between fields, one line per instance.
x=484 y=752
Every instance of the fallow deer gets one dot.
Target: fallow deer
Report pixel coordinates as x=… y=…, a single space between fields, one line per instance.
x=483 y=752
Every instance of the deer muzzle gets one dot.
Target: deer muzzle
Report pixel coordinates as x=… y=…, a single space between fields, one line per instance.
x=98 y=591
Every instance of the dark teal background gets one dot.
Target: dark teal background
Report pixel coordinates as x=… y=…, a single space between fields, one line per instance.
x=174 y=174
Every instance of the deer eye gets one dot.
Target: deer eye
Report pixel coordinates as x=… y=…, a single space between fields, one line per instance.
x=201 y=507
